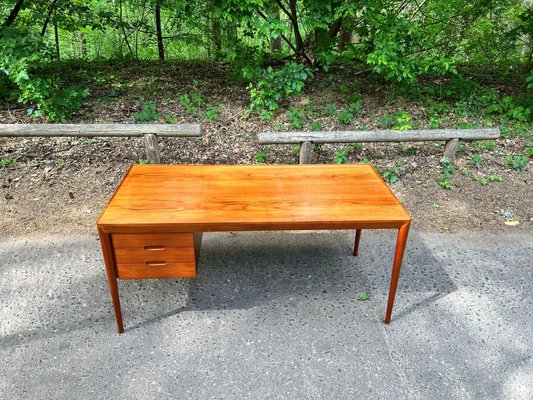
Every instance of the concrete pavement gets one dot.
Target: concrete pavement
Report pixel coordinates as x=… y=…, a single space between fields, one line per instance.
x=273 y=316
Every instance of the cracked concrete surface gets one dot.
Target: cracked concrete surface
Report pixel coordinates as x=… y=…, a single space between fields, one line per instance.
x=273 y=315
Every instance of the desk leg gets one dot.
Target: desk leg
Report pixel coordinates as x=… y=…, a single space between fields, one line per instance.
x=357 y=240
x=107 y=250
x=403 y=232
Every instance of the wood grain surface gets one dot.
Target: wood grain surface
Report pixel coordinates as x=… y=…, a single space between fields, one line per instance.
x=189 y=198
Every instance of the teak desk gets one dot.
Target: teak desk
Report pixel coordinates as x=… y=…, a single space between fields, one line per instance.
x=152 y=226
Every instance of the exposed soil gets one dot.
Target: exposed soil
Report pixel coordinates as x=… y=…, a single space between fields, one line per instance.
x=61 y=185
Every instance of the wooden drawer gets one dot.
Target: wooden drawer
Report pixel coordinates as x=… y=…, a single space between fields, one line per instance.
x=154 y=253
x=131 y=240
x=149 y=270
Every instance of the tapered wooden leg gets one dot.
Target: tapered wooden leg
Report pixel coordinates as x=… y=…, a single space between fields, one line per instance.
x=107 y=250
x=401 y=241
x=357 y=240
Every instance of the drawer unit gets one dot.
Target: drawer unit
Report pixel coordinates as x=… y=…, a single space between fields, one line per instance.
x=156 y=255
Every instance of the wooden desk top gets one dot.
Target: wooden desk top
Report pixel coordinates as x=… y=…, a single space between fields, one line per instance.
x=203 y=198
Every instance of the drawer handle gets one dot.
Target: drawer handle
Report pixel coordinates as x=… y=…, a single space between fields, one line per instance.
x=154 y=248
x=156 y=263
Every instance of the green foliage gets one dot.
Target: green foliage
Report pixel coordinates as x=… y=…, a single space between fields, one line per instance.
x=402 y=122
x=364 y=297
x=143 y=161
x=21 y=53
x=330 y=110
x=316 y=126
x=475 y=160
x=447 y=170
x=344 y=117
x=495 y=178
x=296 y=118
x=268 y=86
x=341 y=156
x=391 y=175
x=265 y=115
x=211 y=112
x=530 y=152
x=5 y=163
x=261 y=156
x=386 y=121
x=149 y=113
x=516 y=162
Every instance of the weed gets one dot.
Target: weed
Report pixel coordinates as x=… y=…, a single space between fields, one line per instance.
x=489 y=145
x=260 y=157
x=411 y=151
x=530 y=152
x=316 y=126
x=343 y=89
x=465 y=171
x=4 y=163
x=330 y=110
x=364 y=297
x=345 y=117
x=357 y=146
x=296 y=118
x=341 y=156
x=475 y=160
x=265 y=115
x=434 y=205
x=402 y=122
x=495 y=178
x=392 y=174
x=149 y=113
x=508 y=215
x=386 y=121
x=447 y=171
x=276 y=126
x=61 y=163
x=170 y=119
x=143 y=161
x=211 y=112
x=516 y=162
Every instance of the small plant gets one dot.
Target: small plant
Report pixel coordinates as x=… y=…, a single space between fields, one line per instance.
x=345 y=117
x=316 y=126
x=341 y=156
x=447 y=171
x=149 y=113
x=4 y=163
x=296 y=119
x=61 y=163
x=386 y=121
x=495 y=178
x=143 y=161
x=268 y=87
x=530 y=152
x=475 y=160
x=465 y=171
x=411 y=151
x=260 y=157
x=211 y=112
x=296 y=149
x=402 y=122
x=434 y=205
x=364 y=297
x=516 y=162
x=330 y=110
x=391 y=175
x=357 y=146
x=265 y=115
x=170 y=119
x=186 y=102
x=343 y=89
x=508 y=215
x=489 y=145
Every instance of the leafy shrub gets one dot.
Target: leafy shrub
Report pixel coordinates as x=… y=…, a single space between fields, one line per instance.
x=345 y=117
x=268 y=87
x=447 y=171
x=296 y=119
x=149 y=113
x=341 y=156
x=20 y=54
x=402 y=122
x=516 y=162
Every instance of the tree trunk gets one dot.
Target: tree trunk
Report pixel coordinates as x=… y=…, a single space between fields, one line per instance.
x=47 y=20
x=56 y=36
x=13 y=15
x=216 y=38
x=160 y=47
x=297 y=35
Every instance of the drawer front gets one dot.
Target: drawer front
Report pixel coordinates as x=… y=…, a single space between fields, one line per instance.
x=149 y=270
x=141 y=240
x=154 y=253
